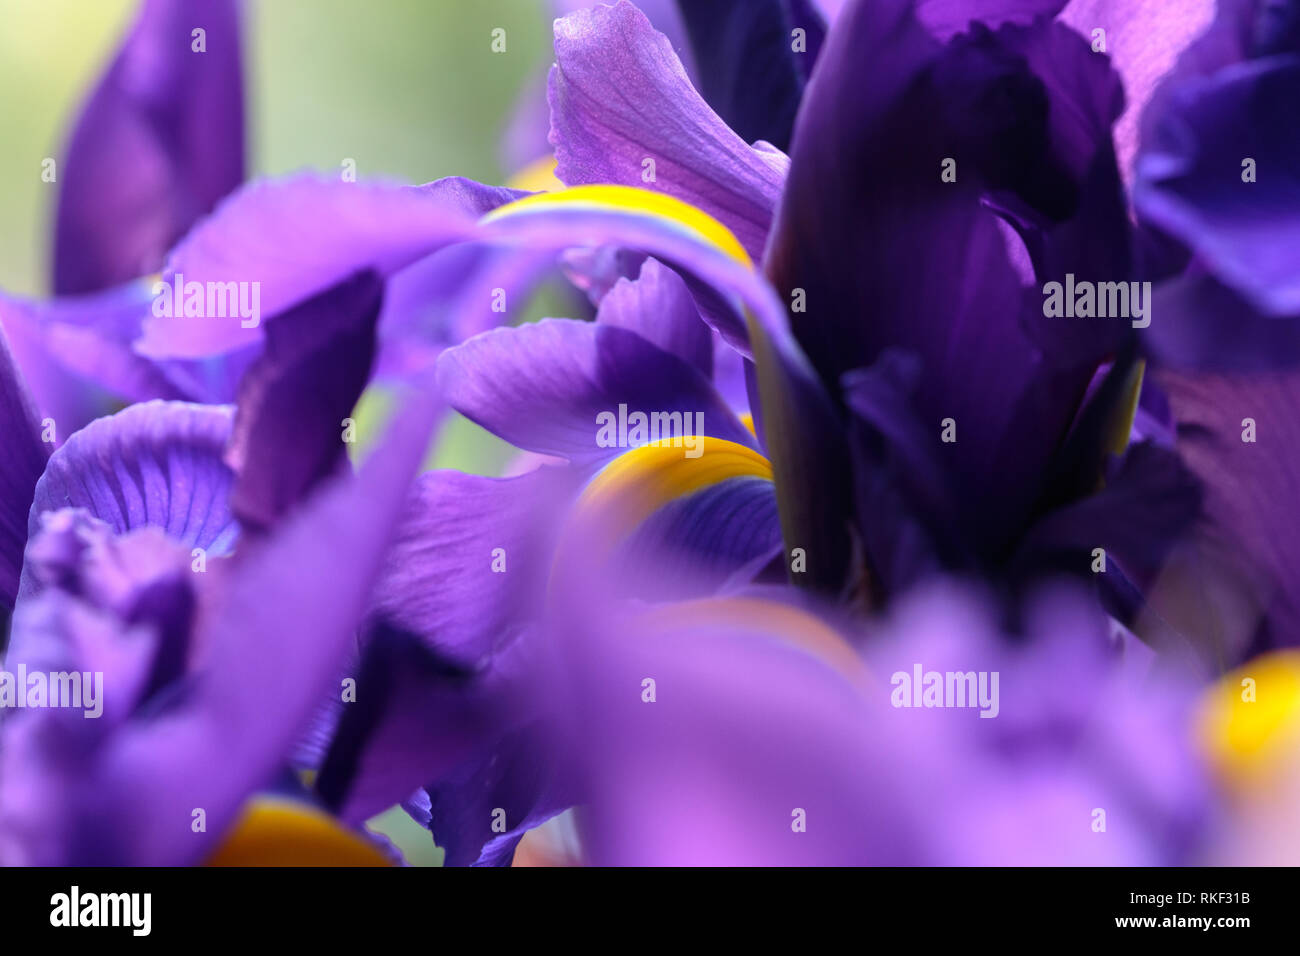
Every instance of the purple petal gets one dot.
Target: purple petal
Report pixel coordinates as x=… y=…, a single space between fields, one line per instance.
x=1190 y=178
x=143 y=578
x=750 y=72
x=659 y=307
x=767 y=744
x=515 y=776
x=116 y=607
x=90 y=336
x=160 y=141
x=414 y=716
x=699 y=543
x=744 y=730
x=944 y=18
x=302 y=235
x=1234 y=588
x=1149 y=502
x=289 y=427
x=525 y=139
x=882 y=276
x=463 y=582
x=272 y=644
x=439 y=581
x=901 y=493
x=546 y=387
x=24 y=461
x=620 y=97
x=1205 y=325
x=156 y=464
x=80 y=349
x=1143 y=42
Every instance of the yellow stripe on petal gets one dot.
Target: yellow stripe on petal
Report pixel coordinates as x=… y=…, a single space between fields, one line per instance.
x=279 y=832
x=1122 y=426
x=639 y=482
x=537 y=177
x=609 y=198
x=1250 y=721
x=791 y=624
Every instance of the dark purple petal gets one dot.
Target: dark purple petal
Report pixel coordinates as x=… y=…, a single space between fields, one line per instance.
x=24 y=461
x=1190 y=178
x=414 y=715
x=902 y=499
x=290 y=424
x=619 y=97
x=513 y=783
x=944 y=18
x=883 y=276
x=802 y=434
x=546 y=386
x=160 y=141
x=1205 y=325
x=1150 y=501
x=1071 y=194
x=695 y=545
x=749 y=70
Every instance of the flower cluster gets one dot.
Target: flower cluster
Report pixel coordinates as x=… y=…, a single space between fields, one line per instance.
x=913 y=479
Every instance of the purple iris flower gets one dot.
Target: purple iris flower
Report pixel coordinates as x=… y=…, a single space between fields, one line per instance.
x=844 y=309
x=868 y=492
x=1038 y=405
x=199 y=592
x=542 y=387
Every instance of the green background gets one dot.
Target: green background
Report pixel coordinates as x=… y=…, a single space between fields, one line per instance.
x=408 y=88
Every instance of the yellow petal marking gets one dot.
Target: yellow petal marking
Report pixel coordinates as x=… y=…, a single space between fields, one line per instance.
x=608 y=198
x=789 y=623
x=275 y=831
x=1249 y=741
x=537 y=177
x=642 y=480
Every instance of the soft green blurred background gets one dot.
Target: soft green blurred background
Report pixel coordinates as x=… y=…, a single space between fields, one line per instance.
x=407 y=88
